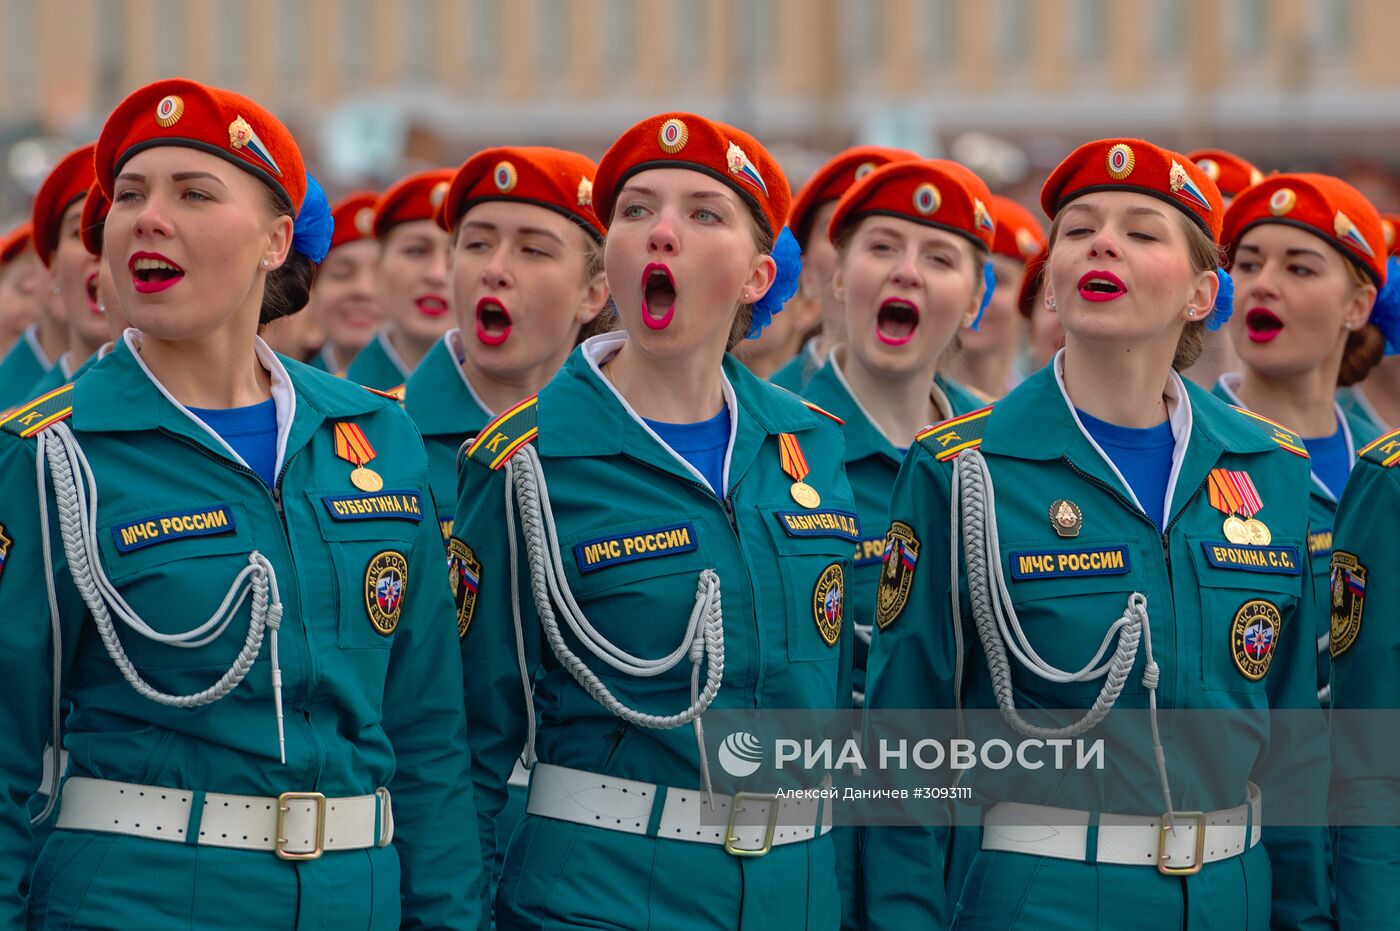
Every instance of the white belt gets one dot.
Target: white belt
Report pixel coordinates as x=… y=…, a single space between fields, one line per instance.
x=1200 y=837
x=294 y=825
x=755 y=824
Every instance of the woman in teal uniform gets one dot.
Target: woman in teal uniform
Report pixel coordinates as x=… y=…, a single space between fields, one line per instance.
x=1365 y=640
x=912 y=242
x=653 y=480
x=18 y=303
x=1085 y=504
x=69 y=270
x=240 y=611
x=1308 y=262
x=527 y=275
x=1376 y=399
x=344 y=299
x=412 y=281
x=43 y=342
x=812 y=207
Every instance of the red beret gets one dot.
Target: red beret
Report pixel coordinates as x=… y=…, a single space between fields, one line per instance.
x=1325 y=206
x=416 y=197
x=19 y=239
x=1135 y=165
x=833 y=179
x=66 y=185
x=1019 y=233
x=95 y=210
x=354 y=218
x=934 y=192
x=1230 y=173
x=684 y=140
x=181 y=112
x=1390 y=223
x=555 y=179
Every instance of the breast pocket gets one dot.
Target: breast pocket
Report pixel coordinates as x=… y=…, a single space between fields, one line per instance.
x=370 y=542
x=173 y=567
x=1246 y=592
x=1066 y=599
x=636 y=581
x=815 y=551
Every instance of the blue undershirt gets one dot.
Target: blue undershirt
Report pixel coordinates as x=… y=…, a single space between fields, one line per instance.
x=1331 y=461
x=1144 y=456
x=251 y=431
x=702 y=444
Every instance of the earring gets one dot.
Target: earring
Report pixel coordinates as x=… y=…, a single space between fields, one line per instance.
x=1191 y=312
x=266 y=263
x=1052 y=303
x=57 y=290
x=1347 y=325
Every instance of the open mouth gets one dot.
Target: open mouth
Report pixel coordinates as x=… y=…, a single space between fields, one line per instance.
x=896 y=321
x=493 y=323
x=658 y=296
x=432 y=305
x=1263 y=325
x=90 y=289
x=1098 y=287
x=152 y=272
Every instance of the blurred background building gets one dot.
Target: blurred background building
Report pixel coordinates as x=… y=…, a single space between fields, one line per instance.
x=374 y=88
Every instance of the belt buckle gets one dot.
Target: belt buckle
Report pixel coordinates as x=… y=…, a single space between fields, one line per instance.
x=282 y=808
x=730 y=837
x=1163 y=830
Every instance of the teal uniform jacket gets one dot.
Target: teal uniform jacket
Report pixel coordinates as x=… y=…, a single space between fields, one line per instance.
x=1365 y=611
x=1198 y=592
x=61 y=375
x=799 y=370
x=1359 y=410
x=22 y=367
x=362 y=709
x=610 y=479
x=1322 y=511
x=327 y=361
x=378 y=366
x=872 y=464
x=448 y=413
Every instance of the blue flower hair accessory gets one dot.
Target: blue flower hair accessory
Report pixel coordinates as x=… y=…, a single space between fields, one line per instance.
x=1385 y=313
x=312 y=229
x=787 y=254
x=989 y=281
x=1224 y=301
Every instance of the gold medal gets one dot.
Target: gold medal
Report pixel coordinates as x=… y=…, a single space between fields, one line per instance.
x=1236 y=530
x=366 y=479
x=1258 y=533
x=806 y=495
x=794 y=463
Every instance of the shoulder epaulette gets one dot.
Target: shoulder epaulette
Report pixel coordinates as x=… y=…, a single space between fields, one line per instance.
x=44 y=411
x=823 y=412
x=945 y=440
x=393 y=394
x=1278 y=433
x=502 y=438
x=1384 y=450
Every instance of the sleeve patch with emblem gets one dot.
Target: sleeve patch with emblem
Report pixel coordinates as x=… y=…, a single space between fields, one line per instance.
x=829 y=603
x=1254 y=638
x=5 y=543
x=896 y=573
x=386 y=584
x=1348 y=585
x=464 y=574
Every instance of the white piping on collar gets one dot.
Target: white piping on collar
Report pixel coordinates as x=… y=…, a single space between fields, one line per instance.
x=1368 y=408
x=1229 y=383
x=283 y=395
x=452 y=343
x=31 y=336
x=1178 y=415
x=936 y=395
x=393 y=354
x=599 y=349
x=332 y=363
x=65 y=365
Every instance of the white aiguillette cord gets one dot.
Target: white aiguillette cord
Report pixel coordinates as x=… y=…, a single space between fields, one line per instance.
x=703 y=642
x=998 y=627
x=77 y=518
